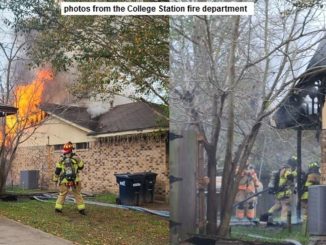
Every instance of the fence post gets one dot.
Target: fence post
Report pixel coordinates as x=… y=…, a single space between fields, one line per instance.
x=201 y=187
x=183 y=167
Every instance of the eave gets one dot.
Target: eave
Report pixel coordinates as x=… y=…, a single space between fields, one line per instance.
x=130 y=132
x=88 y=131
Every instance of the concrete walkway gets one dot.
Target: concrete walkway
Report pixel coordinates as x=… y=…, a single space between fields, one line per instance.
x=12 y=233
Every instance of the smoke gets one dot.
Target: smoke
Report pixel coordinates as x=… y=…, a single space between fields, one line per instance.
x=21 y=74
x=102 y=103
x=57 y=91
x=97 y=108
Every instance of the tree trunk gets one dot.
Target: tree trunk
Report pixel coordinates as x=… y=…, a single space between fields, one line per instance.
x=3 y=176
x=211 y=192
x=240 y=159
x=2 y=184
x=223 y=230
x=227 y=189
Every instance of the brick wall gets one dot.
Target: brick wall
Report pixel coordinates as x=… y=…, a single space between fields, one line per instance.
x=103 y=159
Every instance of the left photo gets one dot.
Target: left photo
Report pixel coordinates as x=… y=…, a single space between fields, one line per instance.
x=84 y=125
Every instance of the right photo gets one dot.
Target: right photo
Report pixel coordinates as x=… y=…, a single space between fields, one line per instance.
x=247 y=141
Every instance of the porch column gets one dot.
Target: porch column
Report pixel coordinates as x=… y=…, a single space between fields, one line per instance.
x=323 y=148
x=317 y=212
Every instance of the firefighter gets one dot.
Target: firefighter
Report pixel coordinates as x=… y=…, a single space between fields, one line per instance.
x=67 y=176
x=284 y=190
x=311 y=178
x=247 y=187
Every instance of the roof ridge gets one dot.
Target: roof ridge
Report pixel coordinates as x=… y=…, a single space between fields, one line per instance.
x=62 y=105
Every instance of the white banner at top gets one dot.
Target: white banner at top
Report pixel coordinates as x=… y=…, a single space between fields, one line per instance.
x=157 y=8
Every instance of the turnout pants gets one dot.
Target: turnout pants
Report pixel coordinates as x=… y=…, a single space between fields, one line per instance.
x=284 y=205
x=245 y=209
x=304 y=205
x=63 y=191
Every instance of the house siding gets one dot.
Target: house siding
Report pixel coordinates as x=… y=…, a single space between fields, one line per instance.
x=55 y=131
x=103 y=159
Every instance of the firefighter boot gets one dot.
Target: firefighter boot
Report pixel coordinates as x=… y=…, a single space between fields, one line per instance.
x=251 y=211
x=239 y=212
x=270 y=221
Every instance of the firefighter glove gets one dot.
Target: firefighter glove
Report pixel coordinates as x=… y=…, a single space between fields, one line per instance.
x=55 y=178
x=290 y=177
x=271 y=191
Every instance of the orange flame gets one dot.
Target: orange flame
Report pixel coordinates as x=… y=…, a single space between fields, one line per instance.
x=28 y=99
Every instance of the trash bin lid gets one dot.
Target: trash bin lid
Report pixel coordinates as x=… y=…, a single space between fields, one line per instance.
x=122 y=175
x=138 y=176
x=150 y=174
x=131 y=176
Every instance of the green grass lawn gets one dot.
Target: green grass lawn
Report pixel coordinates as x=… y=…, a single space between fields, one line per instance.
x=102 y=225
x=107 y=198
x=18 y=190
x=272 y=234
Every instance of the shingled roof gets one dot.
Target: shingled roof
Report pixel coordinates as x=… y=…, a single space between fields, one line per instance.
x=319 y=58
x=296 y=112
x=316 y=67
x=132 y=116
x=72 y=114
x=121 y=118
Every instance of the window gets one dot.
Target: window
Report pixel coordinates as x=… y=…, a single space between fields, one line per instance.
x=58 y=147
x=82 y=145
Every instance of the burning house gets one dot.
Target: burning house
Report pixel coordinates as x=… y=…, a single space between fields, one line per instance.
x=304 y=109
x=130 y=137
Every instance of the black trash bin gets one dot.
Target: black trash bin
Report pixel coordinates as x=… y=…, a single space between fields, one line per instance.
x=130 y=188
x=149 y=186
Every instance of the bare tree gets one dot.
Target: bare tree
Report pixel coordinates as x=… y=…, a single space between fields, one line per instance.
x=221 y=66
x=16 y=129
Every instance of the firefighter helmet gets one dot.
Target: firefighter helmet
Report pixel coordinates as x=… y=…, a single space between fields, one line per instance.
x=313 y=167
x=293 y=162
x=67 y=148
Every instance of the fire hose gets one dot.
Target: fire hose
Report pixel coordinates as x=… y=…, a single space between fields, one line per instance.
x=45 y=197
x=248 y=198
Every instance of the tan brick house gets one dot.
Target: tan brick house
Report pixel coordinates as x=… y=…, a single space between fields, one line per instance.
x=128 y=138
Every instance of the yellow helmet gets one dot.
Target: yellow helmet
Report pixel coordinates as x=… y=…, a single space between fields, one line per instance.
x=313 y=165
